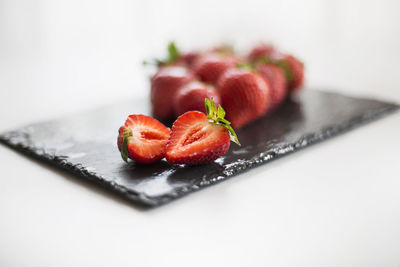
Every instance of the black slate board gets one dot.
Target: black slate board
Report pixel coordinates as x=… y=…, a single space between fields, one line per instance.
x=85 y=144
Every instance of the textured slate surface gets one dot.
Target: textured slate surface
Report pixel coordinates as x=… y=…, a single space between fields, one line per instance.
x=85 y=144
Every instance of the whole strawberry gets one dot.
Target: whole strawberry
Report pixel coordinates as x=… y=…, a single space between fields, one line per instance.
x=191 y=97
x=291 y=66
x=142 y=139
x=259 y=51
x=189 y=58
x=296 y=68
x=244 y=94
x=275 y=76
x=209 y=67
x=164 y=84
x=197 y=138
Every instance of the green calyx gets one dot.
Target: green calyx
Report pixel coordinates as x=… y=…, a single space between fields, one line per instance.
x=217 y=116
x=173 y=52
x=249 y=67
x=127 y=134
x=173 y=55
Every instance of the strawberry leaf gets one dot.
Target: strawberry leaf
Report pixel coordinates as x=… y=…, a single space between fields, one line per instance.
x=208 y=105
x=173 y=52
x=173 y=55
x=127 y=134
x=232 y=134
x=221 y=112
x=217 y=116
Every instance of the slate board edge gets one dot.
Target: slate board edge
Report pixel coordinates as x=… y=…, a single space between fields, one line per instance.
x=23 y=145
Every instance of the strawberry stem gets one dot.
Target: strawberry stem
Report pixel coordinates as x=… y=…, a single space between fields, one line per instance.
x=217 y=116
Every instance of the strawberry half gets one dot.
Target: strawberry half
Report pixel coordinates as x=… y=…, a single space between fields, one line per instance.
x=142 y=139
x=191 y=97
x=164 y=84
x=244 y=94
x=197 y=138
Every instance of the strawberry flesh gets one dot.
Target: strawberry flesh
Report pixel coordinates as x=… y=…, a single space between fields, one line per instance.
x=146 y=139
x=196 y=140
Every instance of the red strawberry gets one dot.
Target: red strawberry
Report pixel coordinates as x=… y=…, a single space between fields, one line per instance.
x=259 y=51
x=210 y=66
x=191 y=97
x=189 y=58
x=244 y=94
x=197 y=138
x=275 y=76
x=164 y=84
x=142 y=139
x=297 y=69
x=293 y=69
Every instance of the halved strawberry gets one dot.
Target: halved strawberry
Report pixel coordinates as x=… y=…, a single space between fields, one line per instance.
x=142 y=139
x=197 y=138
x=277 y=80
x=244 y=94
x=164 y=84
x=209 y=67
x=191 y=97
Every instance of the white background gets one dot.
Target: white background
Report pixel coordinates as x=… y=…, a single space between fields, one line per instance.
x=335 y=204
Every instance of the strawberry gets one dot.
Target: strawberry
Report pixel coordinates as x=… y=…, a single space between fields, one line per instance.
x=164 y=84
x=244 y=94
x=277 y=81
x=296 y=68
x=189 y=58
x=209 y=67
x=142 y=139
x=197 y=138
x=261 y=50
x=291 y=66
x=191 y=97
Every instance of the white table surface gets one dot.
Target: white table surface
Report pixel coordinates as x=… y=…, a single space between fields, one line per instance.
x=334 y=204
